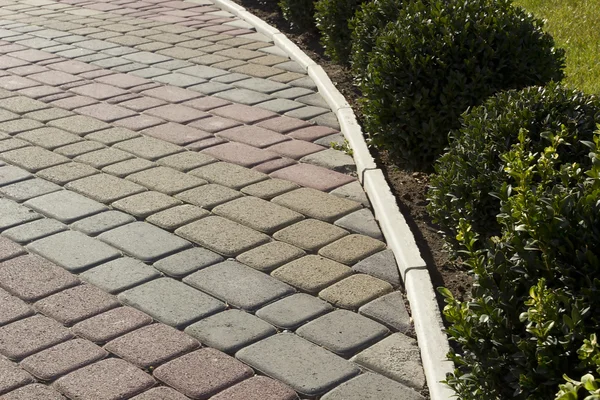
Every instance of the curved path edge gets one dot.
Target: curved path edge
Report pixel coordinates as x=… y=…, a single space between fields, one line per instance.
x=429 y=327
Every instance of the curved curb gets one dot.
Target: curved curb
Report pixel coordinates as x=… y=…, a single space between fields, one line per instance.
x=433 y=343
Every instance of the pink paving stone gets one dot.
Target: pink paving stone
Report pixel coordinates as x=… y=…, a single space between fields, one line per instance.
x=99 y=91
x=111 y=324
x=142 y=88
x=7 y=62
x=71 y=103
x=32 y=55
x=274 y=165
x=214 y=124
x=35 y=391
x=76 y=304
x=12 y=82
x=110 y=379
x=205 y=143
x=9 y=249
x=123 y=81
x=55 y=78
x=139 y=122
x=177 y=113
x=152 y=345
x=241 y=154
x=295 y=149
x=220 y=28
x=102 y=6
x=240 y=31
x=206 y=103
x=73 y=67
x=31 y=335
x=178 y=4
x=105 y=112
x=11 y=376
x=202 y=373
x=95 y=74
x=39 y=91
x=242 y=113
x=142 y=103
x=9 y=48
x=253 y=135
x=31 y=277
x=12 y=308
x=313 y=176
x=122 y=98
x=257 y=388
x=63 y=358
x=28 y=70
x=283 y=124
x=177 y=133
x=160 y=393
x=171 y=94
x=312 y=133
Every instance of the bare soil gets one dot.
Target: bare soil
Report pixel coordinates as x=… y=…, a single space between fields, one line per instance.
x=409 y=187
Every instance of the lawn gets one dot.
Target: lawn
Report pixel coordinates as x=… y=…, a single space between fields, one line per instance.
x=574 y=25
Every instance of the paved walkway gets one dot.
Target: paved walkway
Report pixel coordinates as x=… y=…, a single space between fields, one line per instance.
x=174 y=223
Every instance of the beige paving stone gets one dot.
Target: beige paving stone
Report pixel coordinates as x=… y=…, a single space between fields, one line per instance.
x=104 y=188
x=312 y=273
x=352 y=249
x=186 y=161
x=49 y=138
x=316 y=204
x=222 y=235
x=101 y=158
x=65 y=173
x=258 y=214
x=143 y=204
x=76 y=149
x=33 y=159
x=128 y=167
x=270 y=256
x=12 y=144
x=310 y=234
x=209 y=196
x=269 y=188
x=354 y=291
x=166 y=180
x=176 y=217
x=112 y=136
x=230 y=175
x=148 y=148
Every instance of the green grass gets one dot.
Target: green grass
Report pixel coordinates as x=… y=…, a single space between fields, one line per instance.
x=575 y=27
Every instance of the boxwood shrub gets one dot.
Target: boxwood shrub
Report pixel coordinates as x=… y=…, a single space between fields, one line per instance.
x=439 y=58
x=299 y=13
x=468 y=175
x=537 y=286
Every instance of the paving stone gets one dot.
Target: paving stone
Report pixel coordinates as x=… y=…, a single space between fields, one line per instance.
x=187 y=261
x=230 y=175
x=293 y=311
x=19 y=125
x=104 y=188
x=312 y=133
x=73 y=102
x=241 y=154
x=31 y=335
x=12 y=144
x=370 y=386
x=243 y=113
x=64 y=173
x=313 y=176
x=316 y=204
x=176 y=217
x=10 y=174
x=186 y=161
x=355 y=291
x=111 y=324
x=49 y=138
x=280 y=106
x=305 y=82
x=171 y=302
x=160 y=393
x=12 y=376
x=343 y=332
x=142 y=103
x=253 y=136
x=206 y=103
x=296 y=149
x=143 y=204
x=210 y=88
x=108 y=379
x=79 y=124
x=102 y=222
x=177 y=134
x=214 y=124
x=112 y=136
x=106 y=112
x=9 y=249
x=177 y=113
x=13 y=308
x=352 y=248
x=296 y=362
x=222 y=236
x=102 y=158
x=310 y=234
x=22 y=104
x=331 y=159
x=171 y=94
x=33 y=159
x=73 y=250
x=311 y=273
x=352 y=191
x=79 y=148
x=12 y=214
x=390 y=310
x=166 y=180
x=257 y=70
x=270 y=256
x=257 y=388
x=25 y=190
x=34 y=230
x=128 y=167
x=35 y=391
x=120 y=274
x=293 y=93
x=243 y=96
x=269 y=188
x=65 y=206
x=396 y=357
x=62 y=359
x=148 y=148
x=329 y=119
x=205 y=143
x=180 y=80
x=362 y=222
x=98 y=91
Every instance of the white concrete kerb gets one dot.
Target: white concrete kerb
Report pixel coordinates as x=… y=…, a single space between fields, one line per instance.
x=433 y=342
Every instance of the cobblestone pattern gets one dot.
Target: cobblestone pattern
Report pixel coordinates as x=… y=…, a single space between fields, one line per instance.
x=146 y=141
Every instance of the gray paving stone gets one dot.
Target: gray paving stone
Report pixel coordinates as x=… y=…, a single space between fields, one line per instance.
x=328 y=119
x=331 y=140
x=396 y=357
x=352 y=191
x=143 y=204
x=280 y=106
x=331 y=159
x=209 y=196
x=10 y=174
x=352 y=248
x=343 y=332
x=293 y=311
x=13 y=309
x=269 y=256
x=104 y=188
x=310 y=234
x=238 y=285
x=293 y=93
x=187 y=261
x=166 y=180
x=33 y=159
x=311 y=273
x=370 y=386
x=176 y=217
x=65 y=173
x=305 y=82
x=230 y=175
x=362 y=222
x=210 y=88
x=390 y=311
x=34 y=230
x=144 y=241
x=381 y=265
x=230 y=330
x=202 y=71
x=313 y=100
x=171 y=302
x=120 y=274
x=102 y=222
x=261 y=85
x=307 y=368
x=180 y=80
x=316 y=204
x=73 y=251
x=65 y=206
x=25 y=190
x=12 y=214
x=244 y=96
x=222 y=236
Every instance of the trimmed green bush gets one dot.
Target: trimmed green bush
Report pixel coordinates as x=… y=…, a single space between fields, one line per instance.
x=441 y=57
x=537 y=286
x=332 y=19
x=368 y=23
x=471 y=171
x=299 y=13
